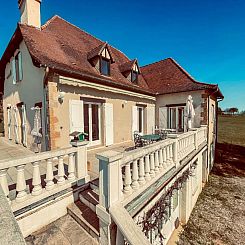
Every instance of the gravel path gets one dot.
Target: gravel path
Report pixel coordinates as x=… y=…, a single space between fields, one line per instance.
x=219 y=215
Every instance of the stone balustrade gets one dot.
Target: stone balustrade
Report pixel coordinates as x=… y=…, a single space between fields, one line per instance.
x=124 y=176
x=71 y=167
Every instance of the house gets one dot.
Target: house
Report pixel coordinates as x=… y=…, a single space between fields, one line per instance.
x=58 y=79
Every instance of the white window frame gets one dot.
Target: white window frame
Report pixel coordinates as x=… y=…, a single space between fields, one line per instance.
x=143 y=119
x=176 y=116
x=95 y=142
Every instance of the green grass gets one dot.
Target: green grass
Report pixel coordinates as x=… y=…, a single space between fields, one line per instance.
x=231 y=130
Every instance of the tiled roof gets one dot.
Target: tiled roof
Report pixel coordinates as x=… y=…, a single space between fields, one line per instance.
x=127 y=66
x=167 y=76
x=64 y=47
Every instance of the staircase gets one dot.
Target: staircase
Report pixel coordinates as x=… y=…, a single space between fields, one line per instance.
x=83 y=211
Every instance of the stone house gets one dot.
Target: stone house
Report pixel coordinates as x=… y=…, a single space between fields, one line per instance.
x=68 y=80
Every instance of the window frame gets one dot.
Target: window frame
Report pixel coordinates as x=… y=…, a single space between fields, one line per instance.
x=17 y=70
x=137 y=76
x=102 y=58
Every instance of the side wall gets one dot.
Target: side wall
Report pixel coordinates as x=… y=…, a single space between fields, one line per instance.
x=179 y=98
x=29 y=91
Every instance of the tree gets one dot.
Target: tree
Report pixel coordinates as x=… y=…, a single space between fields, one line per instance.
x=233 y=110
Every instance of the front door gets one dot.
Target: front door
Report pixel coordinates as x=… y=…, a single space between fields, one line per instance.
x=92 y=126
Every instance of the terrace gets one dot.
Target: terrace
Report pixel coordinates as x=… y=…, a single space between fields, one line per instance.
x=57 y=178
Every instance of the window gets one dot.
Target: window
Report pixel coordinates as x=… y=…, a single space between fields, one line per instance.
x=17 y=70
x=141 y=119
x=134 y=76
x=105 y=66
x=176 y=118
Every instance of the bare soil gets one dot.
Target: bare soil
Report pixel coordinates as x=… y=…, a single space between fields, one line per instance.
x=219 y=215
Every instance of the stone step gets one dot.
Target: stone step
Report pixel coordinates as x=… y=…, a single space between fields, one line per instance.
x=94 y=184
x=85 y=217
x=90 y=198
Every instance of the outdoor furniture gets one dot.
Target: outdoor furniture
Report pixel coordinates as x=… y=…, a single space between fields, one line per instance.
x=143 y=140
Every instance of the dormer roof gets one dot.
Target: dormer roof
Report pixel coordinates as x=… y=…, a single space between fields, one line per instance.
x=97 y=51
x=129 y=65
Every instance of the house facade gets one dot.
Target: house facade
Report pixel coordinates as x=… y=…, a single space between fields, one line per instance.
x=57 y=79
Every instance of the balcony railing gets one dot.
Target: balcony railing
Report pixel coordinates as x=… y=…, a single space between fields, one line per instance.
x=71 y=166
x=124 y=176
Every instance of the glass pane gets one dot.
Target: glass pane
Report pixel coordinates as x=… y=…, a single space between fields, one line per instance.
x=134 y=76
x=140 y=110
x=181 y=119
x=105 y=66
x=95 y=122
x=173 y=116
x=86 y=120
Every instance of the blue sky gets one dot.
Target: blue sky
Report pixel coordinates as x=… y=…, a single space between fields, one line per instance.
x=207 y=37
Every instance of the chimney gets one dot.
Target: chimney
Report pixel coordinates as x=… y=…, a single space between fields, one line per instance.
x=30 y=12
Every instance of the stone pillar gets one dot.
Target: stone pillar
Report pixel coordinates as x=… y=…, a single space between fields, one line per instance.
x=81 y=162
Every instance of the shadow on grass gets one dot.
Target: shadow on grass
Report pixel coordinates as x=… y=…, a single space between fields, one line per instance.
x=229 y=161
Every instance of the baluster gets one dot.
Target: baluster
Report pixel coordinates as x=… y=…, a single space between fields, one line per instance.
x=171 y=153
x=4 y=182
x=36 y=181
x=164 y=157
x=49 y=175
x=156 y=162
x=167 y=155
x=147 y=168
x=160 y=160
x=152 y=165
x=61 y=171
x=21 y=184
x=71 y=167
x=141 y=171
x=127 y=179
x=135 y=175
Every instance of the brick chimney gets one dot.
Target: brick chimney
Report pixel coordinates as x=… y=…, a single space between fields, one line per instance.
x=30 y=12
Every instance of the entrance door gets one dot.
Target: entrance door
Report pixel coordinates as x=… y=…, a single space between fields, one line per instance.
x=92 y=126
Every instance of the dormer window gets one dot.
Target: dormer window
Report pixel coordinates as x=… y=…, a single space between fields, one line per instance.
x=134 y=76
x=105 y=66
x=101 y=58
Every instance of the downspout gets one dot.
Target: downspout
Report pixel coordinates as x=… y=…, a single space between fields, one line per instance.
x=45 y=107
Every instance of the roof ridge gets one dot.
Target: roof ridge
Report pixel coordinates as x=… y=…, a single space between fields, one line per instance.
x=44 y=26
x=188 y=74
x=156 y=62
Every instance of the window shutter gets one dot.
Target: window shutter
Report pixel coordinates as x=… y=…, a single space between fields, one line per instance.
x=163 y=117
x=76 y=116
x=134 y=120
x=24 y=126
x=150 y=119
x=14 y=71
x=16 y=125
x=20 y=66
x=109 y=132
x=9 y=115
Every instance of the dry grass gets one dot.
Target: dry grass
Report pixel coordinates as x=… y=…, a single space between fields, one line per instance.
x=218 y=217
x=231 y=130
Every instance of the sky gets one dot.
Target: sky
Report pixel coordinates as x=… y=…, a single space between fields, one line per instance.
x=207 y=38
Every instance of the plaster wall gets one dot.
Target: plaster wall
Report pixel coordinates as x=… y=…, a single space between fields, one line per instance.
x=122 y=112
x=29 y=91
x=179 y=98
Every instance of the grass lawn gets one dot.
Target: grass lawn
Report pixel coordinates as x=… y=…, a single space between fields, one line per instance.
x=231 y=130
x=218 y=217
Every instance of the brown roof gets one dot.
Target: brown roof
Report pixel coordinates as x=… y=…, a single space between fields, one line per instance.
x=167 y=76
x=66 y=49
